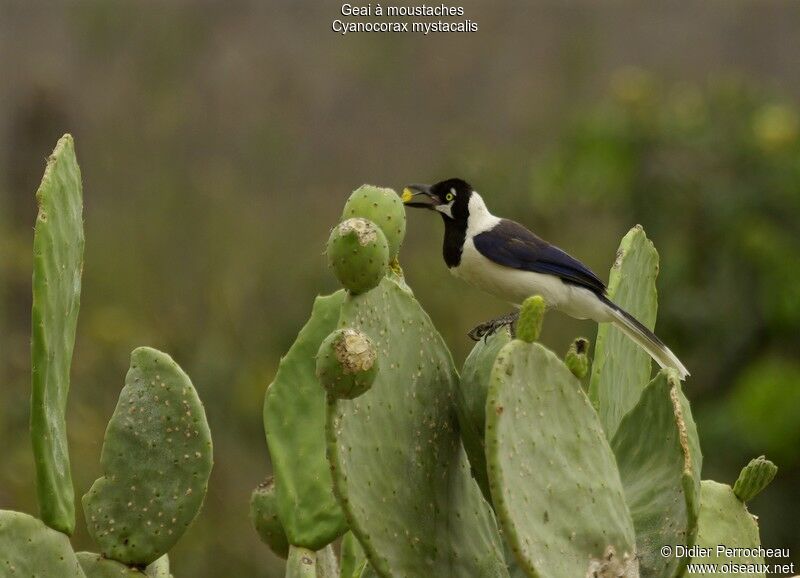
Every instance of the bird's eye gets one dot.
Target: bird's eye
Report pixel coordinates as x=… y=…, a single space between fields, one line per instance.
x=450 y=197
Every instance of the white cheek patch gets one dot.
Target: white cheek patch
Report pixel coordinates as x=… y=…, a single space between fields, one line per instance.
x=446 y=209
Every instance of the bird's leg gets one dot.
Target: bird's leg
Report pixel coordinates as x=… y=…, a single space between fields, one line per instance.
x=490 y=327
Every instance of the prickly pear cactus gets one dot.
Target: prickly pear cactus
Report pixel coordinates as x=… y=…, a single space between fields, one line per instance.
x=400 y=471
x=353 y=558
x=294 y=421
x=302 y=563
x=159 y=568
x=29 y=548
x=57 y=267
x=754 y=478
x=347 y=363
x=156 y=461
x=577 y=357
x=471 y=402
x=621 y=368
x=95 y=566
x=383 y=207
x=724 y=520
x=553 y=477
x=659 y=460
x=264 y=517
x=358 y=253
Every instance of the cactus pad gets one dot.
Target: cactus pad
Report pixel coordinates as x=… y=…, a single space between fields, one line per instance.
x=400 y=472
x=724 y=520
x=264 y=516
x=471 y=402
x=28 y=548
x=659 y=460
x=353 y=558
x=57 y=267
x=553 y=477
x=621 y=368
x=159 y=568
x=95 y=566
x=358 y=254
x=156 y=461
x=294 y=420
x=302 y=563
x=383 y=207
x=347 y=363
x=754 y=477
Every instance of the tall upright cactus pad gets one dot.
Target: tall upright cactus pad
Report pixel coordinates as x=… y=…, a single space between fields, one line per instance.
x=552 y=474
x=400 y=471
x=29 y=548
x=724 y=520
x=95 y=566
x=659 y=460
x=156 y=461
x=471 y=402
x=621 y=369
x=353 y=558
x=294 y=421
x=57 y=268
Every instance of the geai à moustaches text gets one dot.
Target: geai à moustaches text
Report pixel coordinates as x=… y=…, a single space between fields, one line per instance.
x=381 y=18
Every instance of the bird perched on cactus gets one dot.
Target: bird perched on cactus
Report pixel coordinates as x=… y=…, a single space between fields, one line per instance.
x=505 y=259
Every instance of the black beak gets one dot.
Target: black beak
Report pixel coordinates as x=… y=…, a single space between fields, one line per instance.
x=419 y=196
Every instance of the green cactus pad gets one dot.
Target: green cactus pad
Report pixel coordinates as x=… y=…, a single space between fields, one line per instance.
x=294 y=421
x=531 y=316
x=724 y=520
x=302 y=563
x=264 y=517
x=659 y=460
x=471 y=402
x=577 y=357
x=400 y=471
x=353 y=557
x=383 y=207
x=358 y=254
x=553 y=477
x=95 y=566
x=621 y=369
x=28 y=548
x=156 y=461
x=347 y=363
x=57 y=267
x=754 y=477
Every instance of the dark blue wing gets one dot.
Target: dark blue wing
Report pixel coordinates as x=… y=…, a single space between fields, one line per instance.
x=512 y=245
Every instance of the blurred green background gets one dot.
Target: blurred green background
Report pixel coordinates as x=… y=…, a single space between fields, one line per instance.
x=218 y=141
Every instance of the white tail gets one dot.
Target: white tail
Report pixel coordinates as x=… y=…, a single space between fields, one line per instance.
x=646 y=339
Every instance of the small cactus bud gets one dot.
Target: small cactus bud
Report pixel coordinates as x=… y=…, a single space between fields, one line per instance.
x=347 y=363
x=384 y=208
x=577 y=358
x=754 y=477
x=264 y=516
x=359 y=254
x=531 y=315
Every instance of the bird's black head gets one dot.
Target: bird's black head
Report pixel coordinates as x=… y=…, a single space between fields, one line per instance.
x=450 y=198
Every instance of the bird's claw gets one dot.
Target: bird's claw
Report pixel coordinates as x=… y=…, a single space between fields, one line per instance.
x=486 y=330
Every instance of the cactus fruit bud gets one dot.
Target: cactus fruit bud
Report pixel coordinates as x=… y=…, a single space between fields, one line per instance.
x=577 y=358
x=359 y=254
x=754 y=478
x=264 y=516
x=531 y=315
x=347 y=363
x=384 y=208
